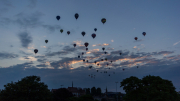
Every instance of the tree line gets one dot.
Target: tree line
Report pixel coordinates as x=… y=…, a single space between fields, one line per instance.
x=150 y=88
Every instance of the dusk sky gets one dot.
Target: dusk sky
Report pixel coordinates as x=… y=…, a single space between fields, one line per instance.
x=26 y=24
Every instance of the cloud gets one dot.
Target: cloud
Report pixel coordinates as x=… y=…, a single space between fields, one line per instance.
x=7 y=55
x=32 y=3
x=30 y=20
x=25 y=39
x=176 y=43
x=52 y=28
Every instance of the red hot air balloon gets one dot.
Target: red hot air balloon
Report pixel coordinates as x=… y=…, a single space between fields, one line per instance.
x=93 y=35
x=144 y=33
x=68 y=32
x=86 y=44
x=135 y=38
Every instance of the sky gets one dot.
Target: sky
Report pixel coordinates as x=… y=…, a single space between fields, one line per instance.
x=26 y=24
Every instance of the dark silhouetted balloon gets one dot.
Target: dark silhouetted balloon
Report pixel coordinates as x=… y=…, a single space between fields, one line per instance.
x=93 y=35
x=135 y=38
x=95 y=29
x=86 y=60
x=95 y=62
x=68 y=32
x=97 y=70
x=144 y=33
x=103 y=48
x=61 y=30
x=82 y=53
x=103 y=20
x=109 y=74
x=105 y=52
x=137 y=66
x=83 y=33
x=105 y=59
x=46 y=41
x=86 y=44
x=58 y=17
x=83 y=60
x=120 y=53
x=123 y=69
x=107 y=64
x=98 y=64
x=76 y=16
x=101 y=59
x=111 y=61
x=35 y=51
x=78 y=56
x=74 y=45
x=86 y=49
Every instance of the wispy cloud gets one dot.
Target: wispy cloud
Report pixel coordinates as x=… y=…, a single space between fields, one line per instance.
x=25 y=39
x=176 y=43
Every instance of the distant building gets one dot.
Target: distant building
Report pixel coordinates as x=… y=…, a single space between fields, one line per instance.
x=77 y=92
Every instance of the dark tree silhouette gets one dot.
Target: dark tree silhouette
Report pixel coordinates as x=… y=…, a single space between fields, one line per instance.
x=28 y=89
x=62 y=94
x=93 y=91
x=99 y=91
x=150 y=88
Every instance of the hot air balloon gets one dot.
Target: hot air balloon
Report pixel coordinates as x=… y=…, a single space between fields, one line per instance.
x=78 y=56
x=86 y=60
x=137 y=66
x=97 y=70
x=82 y=53
x=105 y=59
x=68 y=32
x=103 y=20
x=123 y=69
x=135 y=38
x=95 y=29
x=93 y=35
x=83 y=33
x=144 y=33
x=109 y=67
x=74 y=45
x=76 y=16
x=120 y=53
x=61 y=30
x=111 y=61
x=35 y=51
x=107 y=64
x=58 y=17
x=86 y=44
x=109 y=74
x=101 y=59
x=86 y=49
x=95 y=62
x=46 y=41
x=105 y=52
x=103 y=48
x=98 y=64
x=83 y=60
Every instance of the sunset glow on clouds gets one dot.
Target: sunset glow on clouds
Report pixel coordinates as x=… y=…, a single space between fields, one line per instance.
x=25 y=26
